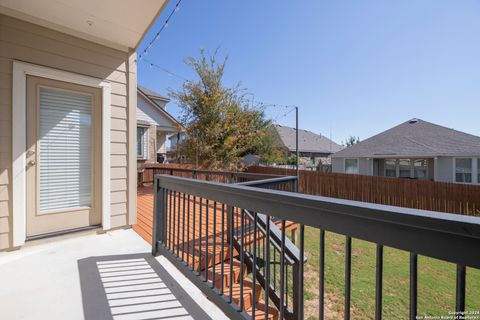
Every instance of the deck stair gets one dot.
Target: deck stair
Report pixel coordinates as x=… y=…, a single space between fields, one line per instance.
x=198 y=242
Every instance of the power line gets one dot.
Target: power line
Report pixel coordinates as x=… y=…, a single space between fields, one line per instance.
x=261 y=103
x=157 y=35
x=283 y=115
x=153 y=65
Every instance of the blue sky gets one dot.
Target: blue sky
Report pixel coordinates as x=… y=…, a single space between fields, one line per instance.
x=353 y=67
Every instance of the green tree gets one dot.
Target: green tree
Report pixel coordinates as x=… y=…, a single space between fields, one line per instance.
x=351 y=141
x=221 y=125
x=292 y=159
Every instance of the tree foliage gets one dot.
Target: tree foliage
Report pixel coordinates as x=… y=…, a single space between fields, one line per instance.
x=351 y=141
x=221 y=124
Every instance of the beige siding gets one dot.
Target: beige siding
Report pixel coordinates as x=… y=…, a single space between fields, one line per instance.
x=27 y=42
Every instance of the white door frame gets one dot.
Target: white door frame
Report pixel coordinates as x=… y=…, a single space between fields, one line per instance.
x=19 y=91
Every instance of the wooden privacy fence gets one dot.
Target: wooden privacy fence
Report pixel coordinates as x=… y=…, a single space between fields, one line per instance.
x=427 y=195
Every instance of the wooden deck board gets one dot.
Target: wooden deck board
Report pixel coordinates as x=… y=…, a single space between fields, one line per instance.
x=145 y=217
x=185 y=241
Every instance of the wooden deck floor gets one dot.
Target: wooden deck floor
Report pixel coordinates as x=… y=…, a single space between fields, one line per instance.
x=145 y=217
x=144 y=213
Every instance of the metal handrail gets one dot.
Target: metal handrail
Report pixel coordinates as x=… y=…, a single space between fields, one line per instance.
x=456 y=238
x=291 y=250
x=234 y=176
x=267 y=182
x=448 y=237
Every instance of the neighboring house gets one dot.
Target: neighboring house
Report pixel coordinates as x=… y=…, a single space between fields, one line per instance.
x=68 y=97
x=250 y=160
x=314 y=148
x=415 y=149
x=175 y=139
x=154 y=124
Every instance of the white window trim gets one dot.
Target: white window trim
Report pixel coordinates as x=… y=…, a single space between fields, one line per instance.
x=345 y=165
x=474 y=170
x=145 y=142
x=19 y=91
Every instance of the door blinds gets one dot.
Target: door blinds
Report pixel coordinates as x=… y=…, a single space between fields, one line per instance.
x=65 y=151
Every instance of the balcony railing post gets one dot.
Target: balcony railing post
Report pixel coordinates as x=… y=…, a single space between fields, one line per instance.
x=158 y=215
x=295 y=291
x=229 y=223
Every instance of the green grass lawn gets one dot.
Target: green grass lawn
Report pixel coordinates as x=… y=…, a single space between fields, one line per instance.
x=436 y=280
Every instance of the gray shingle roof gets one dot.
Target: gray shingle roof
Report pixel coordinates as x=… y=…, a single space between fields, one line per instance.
x=152 y=94
x=307 y=141
x=415 y=138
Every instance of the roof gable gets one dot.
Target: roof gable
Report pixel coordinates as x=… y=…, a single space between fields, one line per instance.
x=148 y=111
x=307 y=141
x=415 y=137
x=152 y=94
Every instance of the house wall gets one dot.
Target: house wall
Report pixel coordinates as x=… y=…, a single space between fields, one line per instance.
x=150 y=114
x=445 y=169
x=30 y=43
x=161 y=142
x=152 y=144
x=147 y=113
x=338 y=165
x=364 y=166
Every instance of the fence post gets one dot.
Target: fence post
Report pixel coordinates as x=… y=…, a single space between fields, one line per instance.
x=158 y=213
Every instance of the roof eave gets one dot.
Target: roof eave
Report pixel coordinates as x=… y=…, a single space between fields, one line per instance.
x=169 y=116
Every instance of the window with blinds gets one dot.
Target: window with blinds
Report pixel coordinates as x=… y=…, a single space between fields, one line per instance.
x=142 y=142
x=65 y=150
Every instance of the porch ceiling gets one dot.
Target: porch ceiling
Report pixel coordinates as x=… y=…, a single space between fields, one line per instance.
x=116 y=23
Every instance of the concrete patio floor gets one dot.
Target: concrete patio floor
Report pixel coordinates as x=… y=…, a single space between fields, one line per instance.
x=96 y=276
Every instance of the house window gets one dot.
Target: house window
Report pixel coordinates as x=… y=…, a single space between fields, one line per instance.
x=478 y=170
x=142 y=134
x=404 y=168
x=390 y=168
x=463 y=170
x=420 y=168
x=351 y=166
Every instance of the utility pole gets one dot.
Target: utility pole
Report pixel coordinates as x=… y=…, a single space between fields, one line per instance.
x=296 y=146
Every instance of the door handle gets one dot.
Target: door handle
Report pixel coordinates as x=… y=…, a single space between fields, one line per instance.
x=32 y=162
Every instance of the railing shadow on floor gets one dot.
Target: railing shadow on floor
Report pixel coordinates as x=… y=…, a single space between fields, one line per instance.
x=133 y=286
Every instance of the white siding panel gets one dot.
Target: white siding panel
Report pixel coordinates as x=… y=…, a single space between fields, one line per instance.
x=118 y=185
x=4 y=242
x=4 y=225
x=148 y=113
x=4 y=210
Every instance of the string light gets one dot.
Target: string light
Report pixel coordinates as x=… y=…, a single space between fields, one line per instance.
x=283 y=115
x=157 y=35
x=153 y=65
x=263 y=104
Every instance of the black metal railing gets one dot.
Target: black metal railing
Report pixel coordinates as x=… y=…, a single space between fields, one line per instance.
x=442 y=236
x=146 y=175
x=274 y=260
